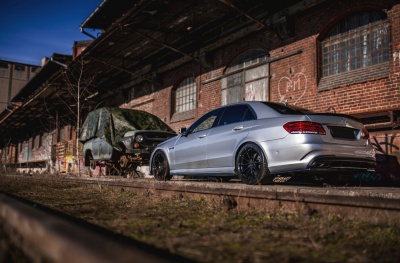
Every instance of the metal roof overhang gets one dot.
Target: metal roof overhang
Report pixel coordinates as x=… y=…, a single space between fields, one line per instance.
x=106 y=13
x=155 y=36
x=139 y=39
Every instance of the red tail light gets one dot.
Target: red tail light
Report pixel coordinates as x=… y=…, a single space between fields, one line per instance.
x=304 y=127
x=364 y=134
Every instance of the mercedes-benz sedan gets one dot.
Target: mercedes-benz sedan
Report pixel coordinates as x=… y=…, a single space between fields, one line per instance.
x=257 y=141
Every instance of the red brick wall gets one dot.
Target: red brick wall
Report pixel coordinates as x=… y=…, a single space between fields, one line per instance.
x=371 y=94
x=294 y=75
x=294 y=78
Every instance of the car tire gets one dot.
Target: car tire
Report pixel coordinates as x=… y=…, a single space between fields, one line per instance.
x=251 y=165
x=93 y=164
x=160 y=166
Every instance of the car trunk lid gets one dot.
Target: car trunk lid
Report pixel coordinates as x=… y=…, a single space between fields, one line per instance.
x=341 y=129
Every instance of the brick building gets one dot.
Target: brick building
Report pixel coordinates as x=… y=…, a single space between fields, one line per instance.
x=179 y=59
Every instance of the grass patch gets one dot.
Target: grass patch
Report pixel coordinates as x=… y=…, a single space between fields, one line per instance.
x=206 y=232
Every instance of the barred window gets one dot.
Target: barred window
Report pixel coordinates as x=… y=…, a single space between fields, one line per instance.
x=360 y=40
x=247 y=59
x=185 y=95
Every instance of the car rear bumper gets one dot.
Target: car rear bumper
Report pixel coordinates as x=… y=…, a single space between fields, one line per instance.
x=332 y=163
x=319 y=157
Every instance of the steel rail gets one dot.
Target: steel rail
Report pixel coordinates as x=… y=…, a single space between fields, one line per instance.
x=44 y=235
x=48 y=236
x=364 y=204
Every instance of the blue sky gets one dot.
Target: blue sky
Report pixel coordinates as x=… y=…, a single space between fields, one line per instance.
x=31 y=30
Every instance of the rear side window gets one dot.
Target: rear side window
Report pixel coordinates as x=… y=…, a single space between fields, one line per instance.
x=237 y=113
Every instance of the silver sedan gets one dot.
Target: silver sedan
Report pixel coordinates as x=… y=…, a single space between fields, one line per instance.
x=257 y=141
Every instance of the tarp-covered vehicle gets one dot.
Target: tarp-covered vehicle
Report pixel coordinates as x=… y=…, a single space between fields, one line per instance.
x=121 y=139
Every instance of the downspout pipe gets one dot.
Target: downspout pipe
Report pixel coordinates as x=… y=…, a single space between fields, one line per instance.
x=86 y=33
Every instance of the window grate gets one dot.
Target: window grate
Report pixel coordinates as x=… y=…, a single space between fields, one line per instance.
x=185 y=95
x=359 y=41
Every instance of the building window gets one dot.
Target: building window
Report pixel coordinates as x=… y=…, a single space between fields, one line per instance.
x=246 y=78
x=185 y=95
x=19 y=68
x=4 y=72
x=19 y=72
x=361 y=40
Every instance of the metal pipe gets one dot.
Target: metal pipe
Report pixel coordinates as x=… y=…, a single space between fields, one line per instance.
x=226 y=2
x=162 y=44
x=86 y=33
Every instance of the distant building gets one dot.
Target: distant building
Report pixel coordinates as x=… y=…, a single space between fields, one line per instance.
x=13 y=77
x=80 y=46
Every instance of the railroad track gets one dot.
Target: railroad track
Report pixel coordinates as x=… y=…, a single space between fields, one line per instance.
x=48 y=236
x=40 y=234
x=368 y=204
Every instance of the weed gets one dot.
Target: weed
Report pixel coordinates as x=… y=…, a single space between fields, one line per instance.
x=210 y=231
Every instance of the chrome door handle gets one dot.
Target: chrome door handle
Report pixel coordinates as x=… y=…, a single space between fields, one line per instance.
x=202 y=136
x=238 y=128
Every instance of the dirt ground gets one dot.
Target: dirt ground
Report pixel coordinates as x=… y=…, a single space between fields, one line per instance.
x=213 y=232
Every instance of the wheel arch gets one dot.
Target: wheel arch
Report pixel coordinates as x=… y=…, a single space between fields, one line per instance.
x=265 y=173
x=151 y=159
x=242 y=144
x=88 y=153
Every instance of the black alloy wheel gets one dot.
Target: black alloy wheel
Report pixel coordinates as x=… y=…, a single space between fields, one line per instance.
x=251 y=165
x=160 y=167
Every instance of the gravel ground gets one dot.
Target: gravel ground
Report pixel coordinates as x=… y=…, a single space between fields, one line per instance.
x=213 y=232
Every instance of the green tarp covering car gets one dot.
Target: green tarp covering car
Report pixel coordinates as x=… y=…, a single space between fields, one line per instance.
x=121 y=137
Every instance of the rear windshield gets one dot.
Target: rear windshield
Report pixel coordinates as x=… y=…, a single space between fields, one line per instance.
x=288 y=109
x=294 y=110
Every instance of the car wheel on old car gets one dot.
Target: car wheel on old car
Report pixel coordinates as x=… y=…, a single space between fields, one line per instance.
x=160 y=167
x=251 y=165
x=92 y=166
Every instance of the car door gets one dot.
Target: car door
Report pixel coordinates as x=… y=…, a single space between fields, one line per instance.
x=233 y=127
x=95 y=146
x=105 y=148
x=190 y=148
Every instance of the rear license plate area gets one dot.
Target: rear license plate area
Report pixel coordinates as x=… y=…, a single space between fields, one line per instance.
x=343 y=133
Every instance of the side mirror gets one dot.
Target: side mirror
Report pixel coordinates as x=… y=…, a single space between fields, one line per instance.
x=182 y=131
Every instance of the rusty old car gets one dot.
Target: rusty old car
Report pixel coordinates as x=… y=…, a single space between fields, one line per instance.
x=121 y=139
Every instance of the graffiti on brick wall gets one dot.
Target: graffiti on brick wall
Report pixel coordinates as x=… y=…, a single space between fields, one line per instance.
x=292 y=88
x=387 y=144
x=396 y=56
x=368 y=177
x=387 y=170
